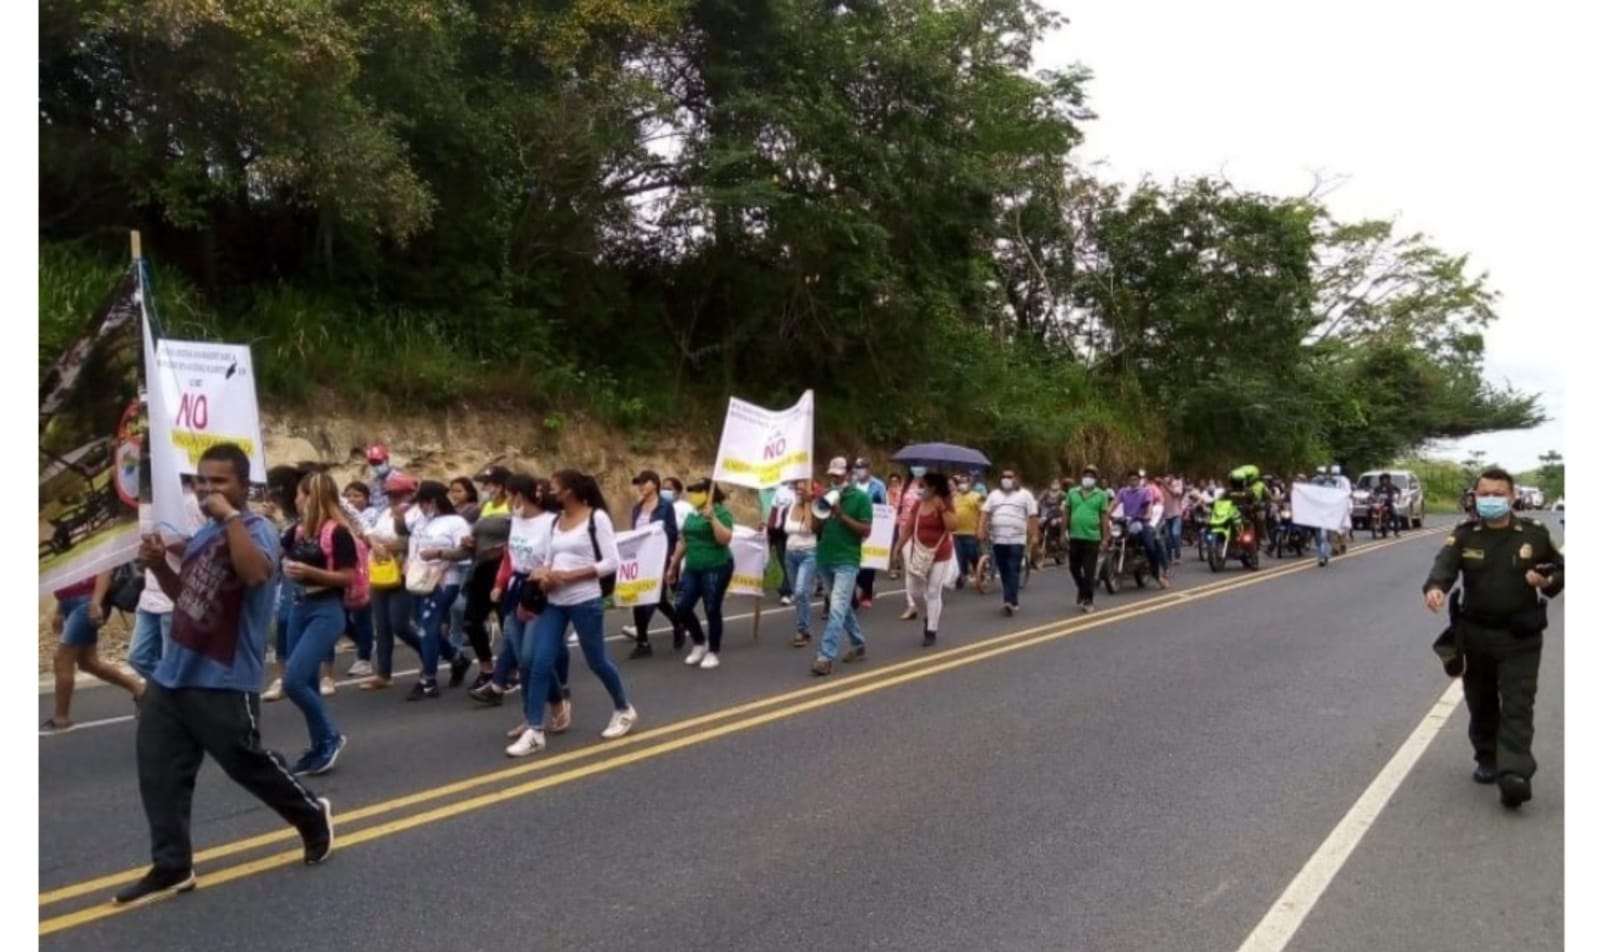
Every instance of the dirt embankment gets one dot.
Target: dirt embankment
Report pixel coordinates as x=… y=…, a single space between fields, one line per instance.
x=463 y=444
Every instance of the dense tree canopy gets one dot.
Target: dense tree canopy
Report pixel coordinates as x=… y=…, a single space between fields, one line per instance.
x=635 y=208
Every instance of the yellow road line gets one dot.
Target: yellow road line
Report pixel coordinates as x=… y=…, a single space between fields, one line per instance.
x=836 y=692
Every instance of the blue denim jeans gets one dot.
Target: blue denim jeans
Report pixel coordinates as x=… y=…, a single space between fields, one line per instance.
x=391 y=619
x=1155 y=550
x=152 y=638
x=710 y=587
x=358 y=625
x=839 y=581
x=1172 y=534
x=76 y=629
x=548 y=644
x=1323 y=545
x=435 y=640
x=519 y=644
x=315 y=625
x=1008 y=563
x=801 y=566
x=967 y=551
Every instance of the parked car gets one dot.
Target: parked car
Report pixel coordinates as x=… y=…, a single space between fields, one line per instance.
x=1412 y=499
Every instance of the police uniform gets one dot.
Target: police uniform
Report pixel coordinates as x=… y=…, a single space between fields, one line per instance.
x=1497 y=628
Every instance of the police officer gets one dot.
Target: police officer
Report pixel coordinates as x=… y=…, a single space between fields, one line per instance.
x=1509 y=568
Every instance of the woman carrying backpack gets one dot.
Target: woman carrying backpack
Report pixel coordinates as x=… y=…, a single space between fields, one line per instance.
x=574 y=573
x=323 y=563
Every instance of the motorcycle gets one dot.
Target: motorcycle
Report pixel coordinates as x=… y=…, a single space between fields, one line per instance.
x=1382 y=518
x=1125 y=556
x=1231 y=536
x=1286 y=536
x=1053 y=544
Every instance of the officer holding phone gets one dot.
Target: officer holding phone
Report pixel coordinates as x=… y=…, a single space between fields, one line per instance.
x=1509 y=567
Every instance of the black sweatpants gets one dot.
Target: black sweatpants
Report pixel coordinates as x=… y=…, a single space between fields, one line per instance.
x=176 y=730
x=1083 y=555
x=475 y=619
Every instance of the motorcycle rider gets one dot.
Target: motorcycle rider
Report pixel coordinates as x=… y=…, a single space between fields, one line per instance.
x=1051 y=504
x=1389 y=494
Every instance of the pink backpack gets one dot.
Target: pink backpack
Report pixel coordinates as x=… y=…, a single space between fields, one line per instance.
x=359 y=594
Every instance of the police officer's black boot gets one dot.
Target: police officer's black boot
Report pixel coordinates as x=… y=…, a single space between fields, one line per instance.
x=928 y=637
x=1514 y=790
x=1485 y=772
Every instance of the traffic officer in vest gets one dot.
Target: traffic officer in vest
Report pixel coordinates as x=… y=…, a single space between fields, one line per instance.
x=1509 y=567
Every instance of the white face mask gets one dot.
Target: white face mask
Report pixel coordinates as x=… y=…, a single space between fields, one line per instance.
x=1088 y=482
x=1007 y=484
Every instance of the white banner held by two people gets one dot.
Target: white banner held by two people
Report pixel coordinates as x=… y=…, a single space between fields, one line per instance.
x=641 y=573
x=762 y=448
x=1320 y=507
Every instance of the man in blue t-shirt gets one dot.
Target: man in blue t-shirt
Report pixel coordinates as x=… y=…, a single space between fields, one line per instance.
x=204 y=696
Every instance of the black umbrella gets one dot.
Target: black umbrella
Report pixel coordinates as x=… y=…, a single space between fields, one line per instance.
x=941 y=455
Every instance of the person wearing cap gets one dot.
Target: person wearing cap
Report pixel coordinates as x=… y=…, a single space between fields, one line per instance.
x=877 y=493
x=703 y=560
x=649 y=509
x=839 y=538
x=392 y=605
x=1087 y=533
x=377 y=462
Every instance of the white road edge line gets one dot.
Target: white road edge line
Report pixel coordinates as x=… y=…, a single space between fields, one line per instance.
x=1291 y=909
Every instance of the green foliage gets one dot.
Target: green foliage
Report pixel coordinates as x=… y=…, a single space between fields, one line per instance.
x=1442 y=480
x=632 y=208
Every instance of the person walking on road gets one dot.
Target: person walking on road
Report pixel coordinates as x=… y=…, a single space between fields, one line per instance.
x=652 y=507
x=929 y=552
x=1087 y=532
x=1010 y=523
x=799 y=528
x=203 y=696
x=838 y=560
x=703 y=561
x=1508 y=567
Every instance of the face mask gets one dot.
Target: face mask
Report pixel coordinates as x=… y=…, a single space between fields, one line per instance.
x=381 y=469
x=860 y=475
x=1007 y=484
x=1054 y=487
x=918 y=471
x=1493 y=507
x=668 y=495
x=1088 y=482
x=697 y=500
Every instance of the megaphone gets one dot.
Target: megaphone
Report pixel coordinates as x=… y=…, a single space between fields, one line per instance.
x=823 y=505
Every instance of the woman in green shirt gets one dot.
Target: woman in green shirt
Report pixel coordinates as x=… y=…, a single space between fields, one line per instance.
x=704 y=563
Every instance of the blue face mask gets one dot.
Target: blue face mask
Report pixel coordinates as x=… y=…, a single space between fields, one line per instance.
x=668 y=495
x=1493 y=507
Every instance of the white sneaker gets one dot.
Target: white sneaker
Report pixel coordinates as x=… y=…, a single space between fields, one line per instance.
x=630 y=630
x=361 y=669
x=785 y=601
x=621 y=723
x=696 y=655
x=531 y=742
x=329 y=687
x=274 y=692
x=571 y=640
x=710 y=661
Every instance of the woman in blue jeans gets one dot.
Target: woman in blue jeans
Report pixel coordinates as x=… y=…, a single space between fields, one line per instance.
x=704 y=562
x=319 y=560
x=800 y=556
x=581 y=553
x=438 y=539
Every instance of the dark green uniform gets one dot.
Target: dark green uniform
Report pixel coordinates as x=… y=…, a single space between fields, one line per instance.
x=1500 y=632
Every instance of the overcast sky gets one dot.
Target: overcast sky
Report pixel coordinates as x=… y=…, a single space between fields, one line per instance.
x=1448 y=115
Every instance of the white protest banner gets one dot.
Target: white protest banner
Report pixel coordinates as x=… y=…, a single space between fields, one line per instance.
x=1320 y=507
x=875 y=552
x=749 y=562
x=762 y=448
x=643 y=566
x=202 y=394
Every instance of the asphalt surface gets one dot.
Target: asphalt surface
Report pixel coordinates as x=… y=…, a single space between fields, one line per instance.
x=1147 y=778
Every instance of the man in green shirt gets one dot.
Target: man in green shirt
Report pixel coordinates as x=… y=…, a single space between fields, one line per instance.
x=838 y=562
x=1087 y=531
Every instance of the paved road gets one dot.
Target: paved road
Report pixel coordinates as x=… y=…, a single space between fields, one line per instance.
x=1148 y=778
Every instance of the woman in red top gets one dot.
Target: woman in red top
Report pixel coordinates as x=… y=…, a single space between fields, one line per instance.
x=930 y=552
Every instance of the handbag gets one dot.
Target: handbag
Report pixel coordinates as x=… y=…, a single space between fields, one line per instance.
x=384 y=574
x=920 y=559
x=423 y=578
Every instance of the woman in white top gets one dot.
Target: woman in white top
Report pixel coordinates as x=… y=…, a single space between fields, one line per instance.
x=582 y=552
x=532 y=517
x=800 y=556
x=391 y=607
x=437 y=539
